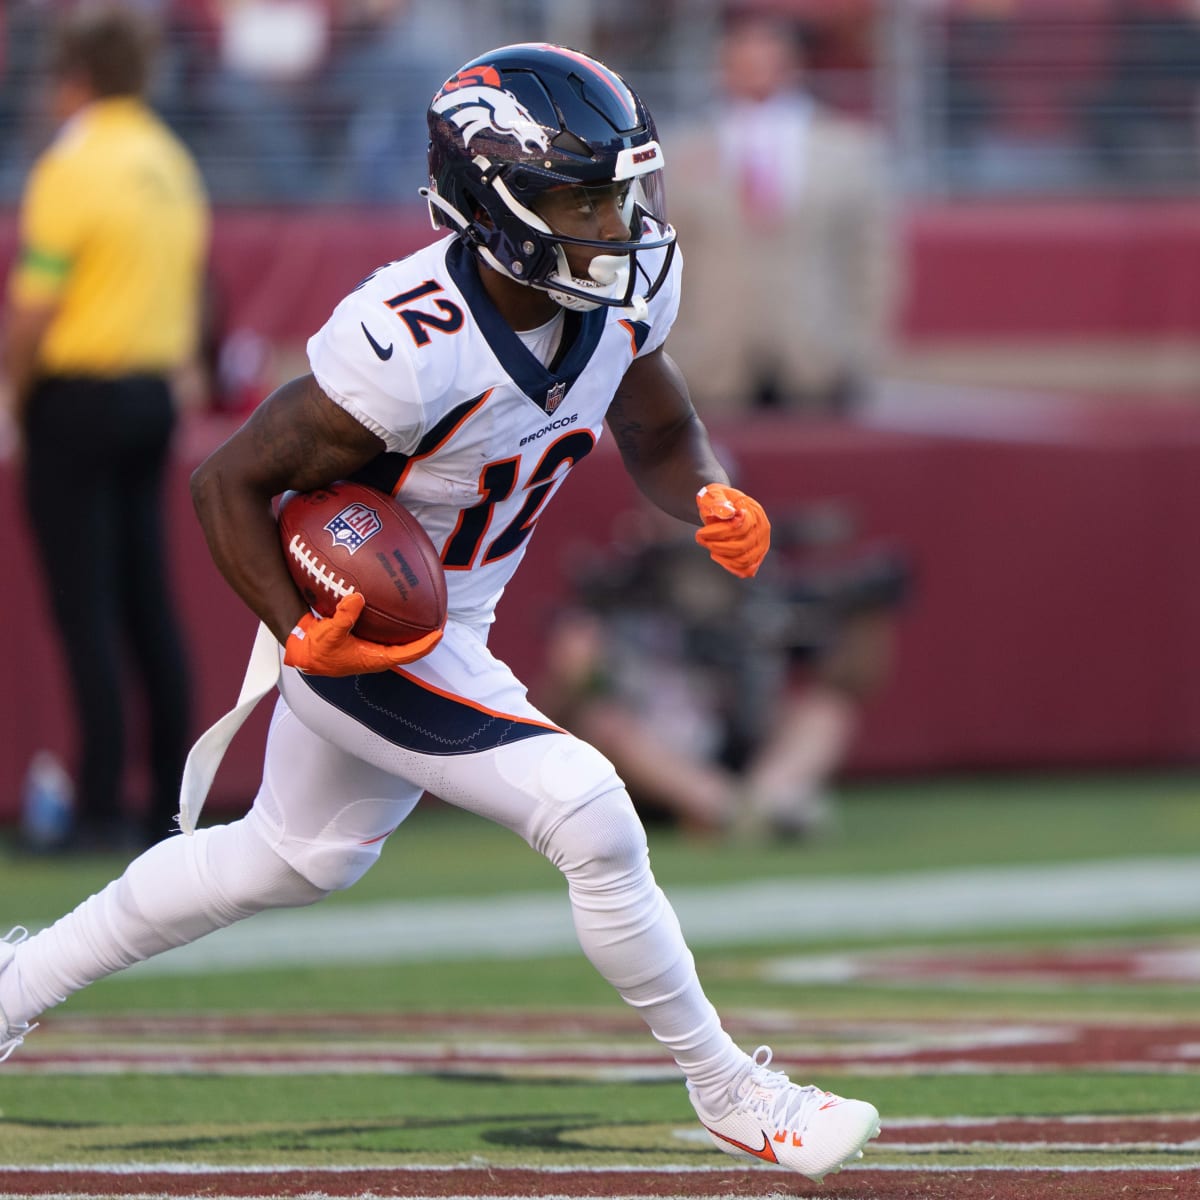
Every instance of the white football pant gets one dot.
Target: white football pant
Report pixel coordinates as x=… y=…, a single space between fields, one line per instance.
x=334 y=788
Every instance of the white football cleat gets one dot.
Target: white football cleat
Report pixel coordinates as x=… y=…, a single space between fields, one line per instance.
x=804 y=1129
x=11 y=1035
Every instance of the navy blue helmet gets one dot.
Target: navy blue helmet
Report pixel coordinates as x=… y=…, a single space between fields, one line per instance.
x=523 y=119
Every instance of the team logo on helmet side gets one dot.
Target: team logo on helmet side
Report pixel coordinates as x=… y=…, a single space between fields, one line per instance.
x=481 y=104
x=353 y=526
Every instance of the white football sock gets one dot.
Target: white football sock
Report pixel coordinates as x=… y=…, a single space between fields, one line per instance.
x=174 y=893
x=630 y=933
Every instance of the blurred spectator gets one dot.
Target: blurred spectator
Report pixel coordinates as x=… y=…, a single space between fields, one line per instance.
x=1014 y=75
x=728 y=705
x=190 y=45
x=390 y=57
x=1143 y=121
x=23 y=25
x=103 y=311
x=784 y=217
x=267 y=96
x=976 y=49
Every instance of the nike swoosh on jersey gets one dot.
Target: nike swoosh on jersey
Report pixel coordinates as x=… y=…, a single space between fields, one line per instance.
x=766 y=1152
x=382 y=352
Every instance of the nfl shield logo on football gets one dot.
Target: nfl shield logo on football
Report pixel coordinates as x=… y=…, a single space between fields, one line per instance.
x=554 y=397
x=354 y=525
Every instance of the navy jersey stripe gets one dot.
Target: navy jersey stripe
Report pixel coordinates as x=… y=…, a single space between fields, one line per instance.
x=417 y=718
x=385 y=470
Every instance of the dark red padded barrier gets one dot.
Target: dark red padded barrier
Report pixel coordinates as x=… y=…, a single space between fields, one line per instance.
x=1054 y=623
x=1053 y=271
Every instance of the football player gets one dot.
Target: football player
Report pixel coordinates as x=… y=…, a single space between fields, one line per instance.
x=468 y=379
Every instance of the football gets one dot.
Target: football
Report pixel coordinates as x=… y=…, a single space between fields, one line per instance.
x=348 y=537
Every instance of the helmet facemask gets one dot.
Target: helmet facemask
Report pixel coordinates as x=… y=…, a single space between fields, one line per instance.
x=612 y=277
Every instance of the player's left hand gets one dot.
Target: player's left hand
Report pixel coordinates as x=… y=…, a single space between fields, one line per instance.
x=736 y=531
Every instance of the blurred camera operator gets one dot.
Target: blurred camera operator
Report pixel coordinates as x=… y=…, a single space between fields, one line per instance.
x=728 y=708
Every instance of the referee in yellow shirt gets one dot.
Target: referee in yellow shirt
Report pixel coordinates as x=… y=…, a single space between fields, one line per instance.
x=103 y=309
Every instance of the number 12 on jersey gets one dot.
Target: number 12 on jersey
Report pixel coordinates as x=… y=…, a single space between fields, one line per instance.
x=496 y=482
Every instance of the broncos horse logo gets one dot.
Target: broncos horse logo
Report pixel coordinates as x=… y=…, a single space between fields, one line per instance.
x=480 y=103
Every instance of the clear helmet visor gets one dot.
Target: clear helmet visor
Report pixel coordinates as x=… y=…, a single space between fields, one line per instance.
x=654 y=196
x=643 y=166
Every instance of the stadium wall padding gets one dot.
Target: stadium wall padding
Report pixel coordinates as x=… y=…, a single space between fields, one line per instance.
x=1054 y=622
x=1055 y=617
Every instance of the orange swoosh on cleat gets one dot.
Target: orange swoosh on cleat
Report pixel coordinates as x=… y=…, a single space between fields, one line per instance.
x=765 y=1152
x=830 y=1104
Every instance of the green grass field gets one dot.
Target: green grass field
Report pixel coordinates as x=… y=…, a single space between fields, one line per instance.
x=153 y=1099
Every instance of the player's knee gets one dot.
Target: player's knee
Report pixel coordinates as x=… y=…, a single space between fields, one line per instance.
x=333 y=868
x=601 y=843
x=251 y=873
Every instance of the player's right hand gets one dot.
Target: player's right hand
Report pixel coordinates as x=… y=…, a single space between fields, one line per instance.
x=326 y=645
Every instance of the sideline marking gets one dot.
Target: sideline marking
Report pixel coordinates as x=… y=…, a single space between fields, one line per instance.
x=747 y=1169
x=415 y=1044
x=1080 y=895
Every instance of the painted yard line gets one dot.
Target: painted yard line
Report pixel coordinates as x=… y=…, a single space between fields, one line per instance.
x=1041 y=1147
x=146 y=1046
x=1065 y=1119
x=503 y=1173
x=325 y=1195
x=903 y=1192
x=957 y=1182
x=174 y=1168
x=462 y=1065
x=1112 y=961
x=579 y=1031
x=1079 y=895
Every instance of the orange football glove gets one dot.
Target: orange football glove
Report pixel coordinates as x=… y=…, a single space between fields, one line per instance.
x=736 y=531
x=325 y=645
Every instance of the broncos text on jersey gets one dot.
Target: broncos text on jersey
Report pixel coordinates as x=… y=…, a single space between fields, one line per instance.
x=479 y=433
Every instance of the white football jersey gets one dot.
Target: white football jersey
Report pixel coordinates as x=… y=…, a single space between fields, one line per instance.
x=479 y=433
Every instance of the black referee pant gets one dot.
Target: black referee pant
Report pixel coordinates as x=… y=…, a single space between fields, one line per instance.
x=96 y=455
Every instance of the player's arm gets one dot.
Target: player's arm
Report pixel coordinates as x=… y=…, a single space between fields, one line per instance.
x=666 y=451
x=663 y=443
x=297 y=438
